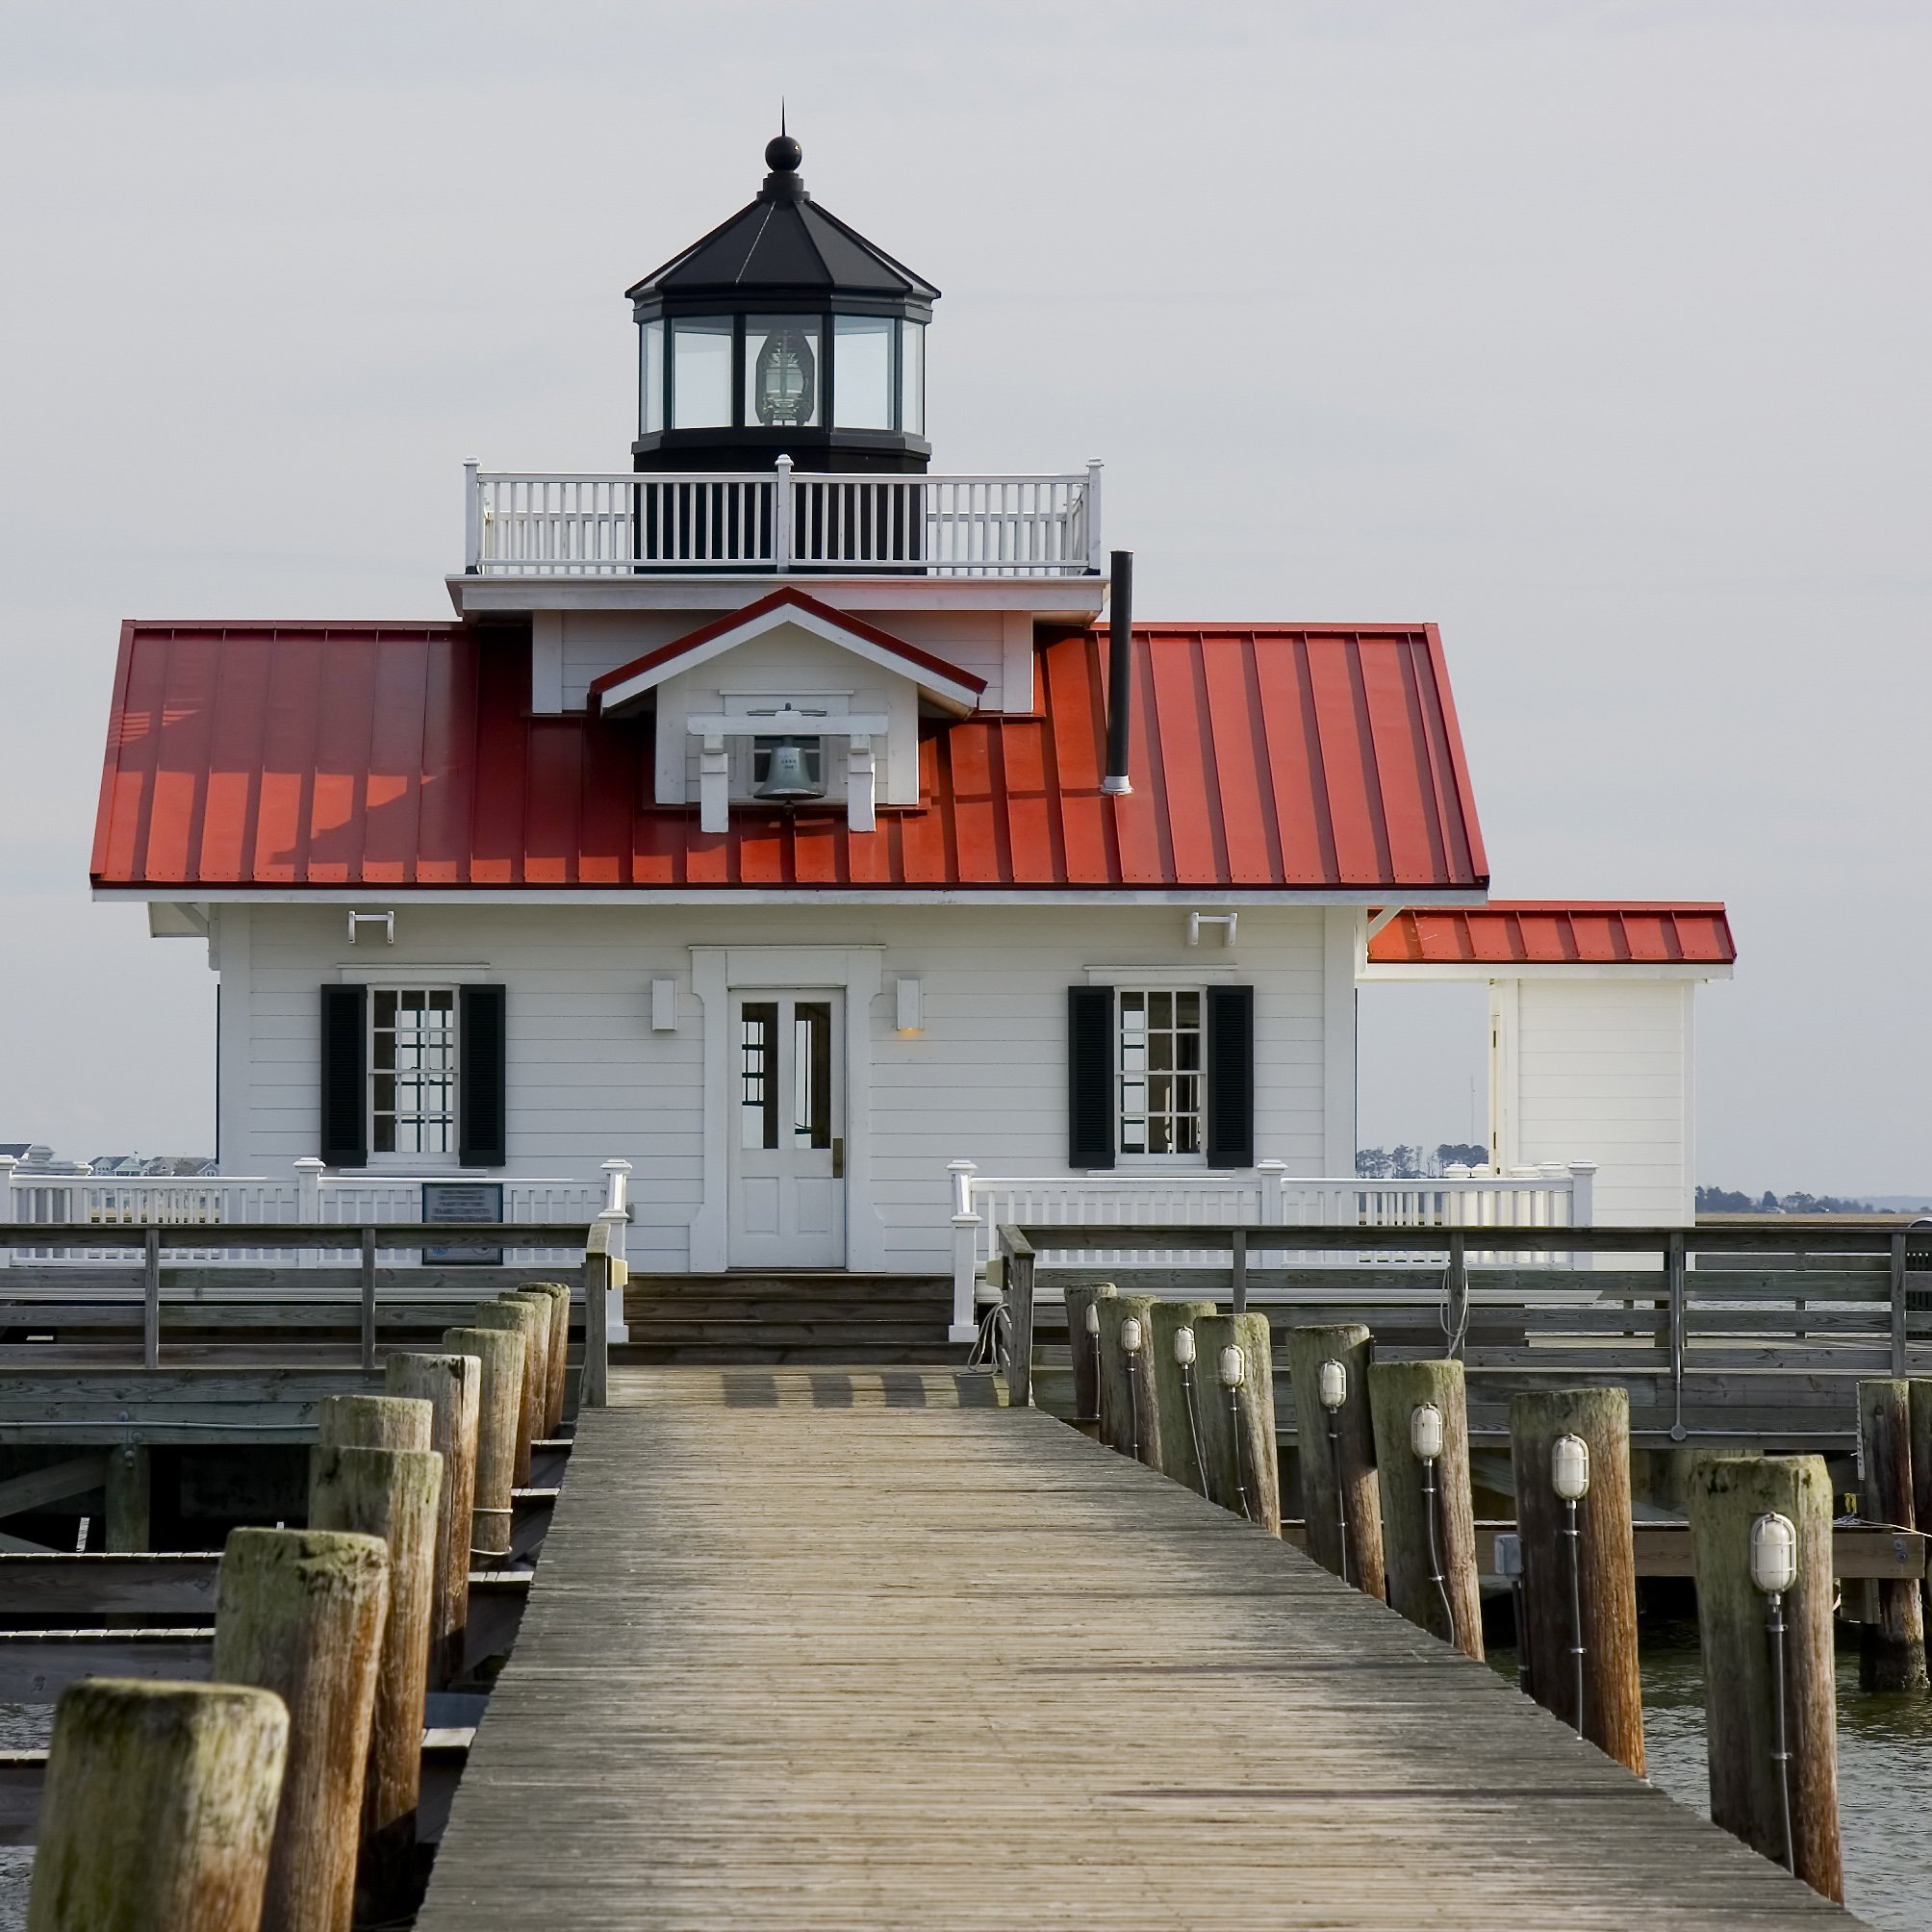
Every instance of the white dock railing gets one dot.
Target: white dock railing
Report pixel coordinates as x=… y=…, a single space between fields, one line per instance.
x=1265 y=1195
x=601 y=526
x=308 y=1194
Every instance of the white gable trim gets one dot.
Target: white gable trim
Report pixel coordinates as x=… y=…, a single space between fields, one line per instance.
x=951 y=693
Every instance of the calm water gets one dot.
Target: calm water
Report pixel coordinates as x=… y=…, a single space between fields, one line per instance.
x=1884 y=1771
x=1884 y=1776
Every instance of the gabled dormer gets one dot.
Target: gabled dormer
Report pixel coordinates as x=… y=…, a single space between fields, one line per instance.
x=787 y=702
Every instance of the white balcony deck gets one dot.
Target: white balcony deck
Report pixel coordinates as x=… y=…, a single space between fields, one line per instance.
x=740 y=522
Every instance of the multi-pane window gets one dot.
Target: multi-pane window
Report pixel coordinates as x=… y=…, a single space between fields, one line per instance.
x=413 y=1069
x=1160 y=1077
x=760 y=1082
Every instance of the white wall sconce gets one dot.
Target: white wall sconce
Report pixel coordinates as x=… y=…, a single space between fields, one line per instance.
x=1225 y=920
x=664 y=1006
x=386 y=919
x=910 y=1006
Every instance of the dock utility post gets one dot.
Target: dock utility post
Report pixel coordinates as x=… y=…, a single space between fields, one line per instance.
x=159 y=1807
x=1237 y=1416
x=1084 y=1339
x=1177 y=1424
x=300 y=1612
x=499 y=1402
x=1749 y=1786
x=1604 y=1623
x=1428 y=1515
x=520 y=1319
x=451 y=1385
x=1892 y=1638
x=1125 y=1396
x=1351 y=1345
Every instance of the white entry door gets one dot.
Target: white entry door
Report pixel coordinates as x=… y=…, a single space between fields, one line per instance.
x=787 y=1139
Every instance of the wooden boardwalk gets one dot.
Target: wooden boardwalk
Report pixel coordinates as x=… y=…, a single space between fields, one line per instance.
x=830 y=1650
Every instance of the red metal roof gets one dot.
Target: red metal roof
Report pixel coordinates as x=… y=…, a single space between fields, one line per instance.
x=404 y=755
x=1537 y=933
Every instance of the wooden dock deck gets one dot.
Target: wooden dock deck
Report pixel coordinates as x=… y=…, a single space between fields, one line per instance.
x=813 y=1648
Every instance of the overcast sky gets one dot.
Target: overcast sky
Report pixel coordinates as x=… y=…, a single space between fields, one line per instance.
x=1598 y=334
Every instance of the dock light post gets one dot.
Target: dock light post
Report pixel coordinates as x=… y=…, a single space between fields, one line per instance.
x=1426 y=1437
x=1774 y=1569
x=1331 y=1386
x=1130 y=1346
x=1233 y=1373
x=1093 y=1340
x=1184 y=1357
x=1569 y=1477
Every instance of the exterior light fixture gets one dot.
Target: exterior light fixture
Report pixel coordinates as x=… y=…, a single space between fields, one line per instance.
x=1332 y=1384
x=1425 y=1431
x=1234 y=1367
x=1774 y=1569
x=1569 y=1467
x=1183 y=1347
x=1570 y=1478
x=1129 y=1335
x=1092 y=1318
x=909 y=1006
x=1183 y=1355
x=1130 y=1346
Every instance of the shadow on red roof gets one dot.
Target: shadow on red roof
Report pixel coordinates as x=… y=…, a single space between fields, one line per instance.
x=1539 y=932
x=348 y=755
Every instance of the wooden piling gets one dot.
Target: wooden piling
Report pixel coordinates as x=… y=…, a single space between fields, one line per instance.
x=1353 y=1447
x=1085 y=1358
x=1727 y=1494
x=390 y=1493
x=372 y=1422
x=556 y=1350
x=1241 y=1471
x=1606 y=1576
x=130 y=1500
x=159 y=1807
x=538 y=1366
x=1126 y=1400
x=451 y=1385
x=1429 y=1551
x=499 y=1398
x=1920 y=1404
x=522 y=1320
x=1892 y=1646
x=300 y=1612
x=1177 y=1450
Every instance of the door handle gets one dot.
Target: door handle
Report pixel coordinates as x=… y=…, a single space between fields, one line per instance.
x=838 y=1158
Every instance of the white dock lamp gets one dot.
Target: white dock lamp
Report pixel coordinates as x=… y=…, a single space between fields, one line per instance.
x=1427 y=1434
x=1774 y=1570
x=1185 y=1351
x=1570 y=1478
x=1130 y=1346
x=1331 y=1391
x=1234 y=1368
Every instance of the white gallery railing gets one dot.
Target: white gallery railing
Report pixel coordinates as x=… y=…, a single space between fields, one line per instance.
x=603 y=525
x=308 y=1194
x=1559 y=1195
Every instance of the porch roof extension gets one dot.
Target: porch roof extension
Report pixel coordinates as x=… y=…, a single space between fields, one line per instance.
x=342 y=756
x=1546 y=932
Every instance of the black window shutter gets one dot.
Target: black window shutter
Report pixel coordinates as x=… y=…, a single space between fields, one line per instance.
x=1230 y=1076
x=1089 y=1076
x=346 y=1076
x=481 y=1077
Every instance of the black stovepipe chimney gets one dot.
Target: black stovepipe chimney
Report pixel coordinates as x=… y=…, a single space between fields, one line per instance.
x=1120 y=670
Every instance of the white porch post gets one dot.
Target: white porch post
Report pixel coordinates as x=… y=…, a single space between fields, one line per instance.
x=965 y=1245
x=8 y=1164
x=781 y=517
x=309 y=1172
x=617 y=1188
x=1096 y=545
x=1583 y=1207
x=473 y=520
x=614 y=1221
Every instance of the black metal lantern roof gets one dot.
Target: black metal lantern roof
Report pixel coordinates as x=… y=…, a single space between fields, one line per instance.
x=782 y=246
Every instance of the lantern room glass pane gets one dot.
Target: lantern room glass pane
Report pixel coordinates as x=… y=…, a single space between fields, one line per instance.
x=700 y=373
x=650 y=380
x=912 y=378
x=862 y=345
x=782 y=372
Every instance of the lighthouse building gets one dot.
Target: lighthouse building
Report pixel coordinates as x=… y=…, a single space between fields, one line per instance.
x=817 y=833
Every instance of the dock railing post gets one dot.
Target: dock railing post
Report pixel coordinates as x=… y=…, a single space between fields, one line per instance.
x=1019 y=1254
x=593 y=1389
x=368 y=1284
x=151 y=1299
x=309 y=1172
x=1900 y=1365
x=1674 y=1273
x=8 y=1211
x=966 y=1225
x=1890 y=1650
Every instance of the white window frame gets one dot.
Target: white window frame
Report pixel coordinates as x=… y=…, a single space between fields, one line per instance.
x=397 y=1157
x=1123 y=1158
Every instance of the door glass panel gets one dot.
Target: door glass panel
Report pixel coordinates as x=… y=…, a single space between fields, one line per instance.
x=812 y=1074
x=758 y=1074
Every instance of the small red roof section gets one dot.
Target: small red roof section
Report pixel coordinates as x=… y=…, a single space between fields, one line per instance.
x=1535 y=932
x=406 y=756
x=618 y=689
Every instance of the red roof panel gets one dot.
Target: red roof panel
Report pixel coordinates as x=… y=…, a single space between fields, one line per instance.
x=400 y=755
x=1535 y=932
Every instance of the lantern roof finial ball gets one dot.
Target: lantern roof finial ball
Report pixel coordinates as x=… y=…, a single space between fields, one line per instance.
x=783 y=154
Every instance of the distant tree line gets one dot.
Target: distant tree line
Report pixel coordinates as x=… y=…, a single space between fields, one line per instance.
x=1412 y=1163
x=1729 y=1200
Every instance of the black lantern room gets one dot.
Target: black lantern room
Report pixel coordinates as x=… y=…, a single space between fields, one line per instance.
x=782 y=333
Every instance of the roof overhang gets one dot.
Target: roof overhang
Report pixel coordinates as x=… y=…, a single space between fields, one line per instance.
x=625 y=689
x=1073 y=598
x=1551 y=939
x=1205 y=898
